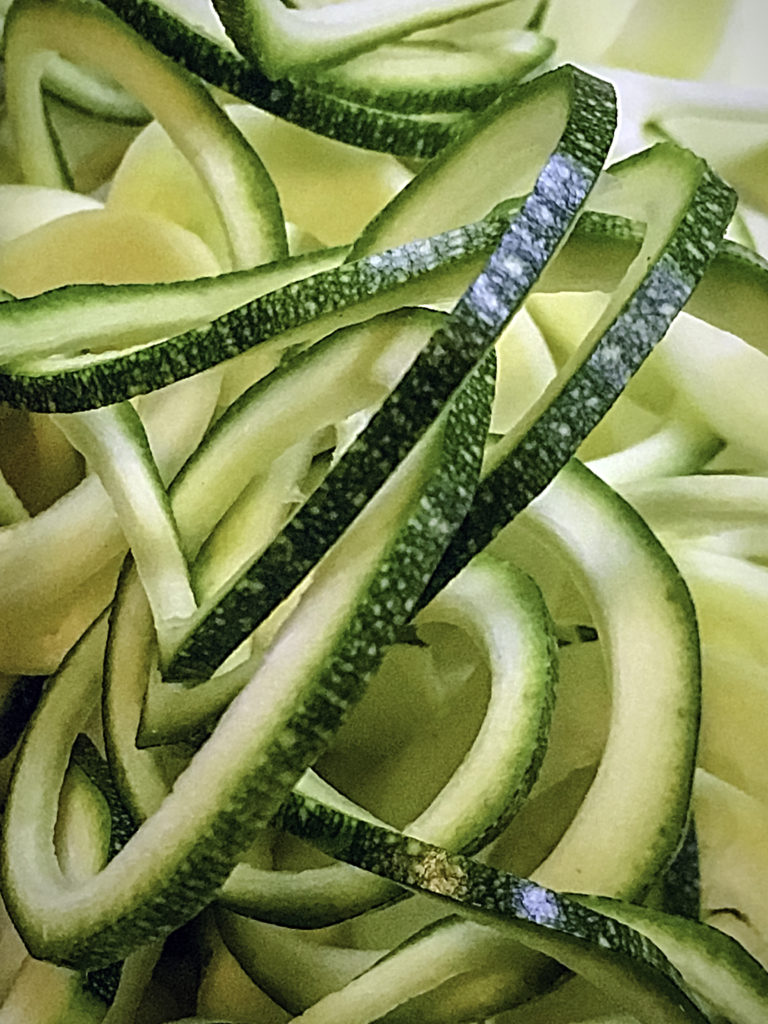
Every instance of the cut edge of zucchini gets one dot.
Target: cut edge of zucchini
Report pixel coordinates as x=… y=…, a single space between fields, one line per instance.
x=244 y=194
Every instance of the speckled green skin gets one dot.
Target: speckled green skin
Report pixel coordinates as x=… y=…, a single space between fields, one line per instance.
x=530 y=241
x=421 y=271
x=184 y=873
x=553 y=437
x=312 y=107
x=600 y=948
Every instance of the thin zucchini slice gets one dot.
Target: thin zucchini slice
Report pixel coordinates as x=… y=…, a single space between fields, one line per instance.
x=283 y=41
x=115 y=445
x=436 y=74
x=430 y=270
x=87 y=32
x=567 y=118
x=622 y=962
x=492 y=780
x=96 y=317
x=681 y=239
x=418 y=136
x=622 y=836
x=315 y=670
x=93 y=93
x=474 y=325
x=712 y=963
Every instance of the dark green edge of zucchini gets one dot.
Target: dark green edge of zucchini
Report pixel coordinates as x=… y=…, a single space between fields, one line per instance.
x=313 y=108
x=49 y=312
x=103 y=982
x=339 y=681
x=478 y=318
x=493 y=897
x=108 y=378
x=599 y=380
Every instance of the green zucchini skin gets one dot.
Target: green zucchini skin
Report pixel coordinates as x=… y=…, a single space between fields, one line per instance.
x=136 y=898
x=608 y=954
x=535 y=451
x=523 y=252
x=731 y=982
x=101 y=317
x=331 y=298
x=595 y=255
x=301 y=103
x=244 y=195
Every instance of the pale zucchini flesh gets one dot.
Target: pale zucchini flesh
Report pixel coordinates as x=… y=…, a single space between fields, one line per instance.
x=647 y=251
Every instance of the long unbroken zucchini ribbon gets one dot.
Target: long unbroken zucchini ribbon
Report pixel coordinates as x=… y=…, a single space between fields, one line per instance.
x=305 y=456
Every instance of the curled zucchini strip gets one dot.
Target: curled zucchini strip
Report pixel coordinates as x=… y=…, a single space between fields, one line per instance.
x=433 y=74
x=110 y=317
x=284 y=41
x=601 y=538
x=115 y=445
x=218 y=320
x=230 y=170
x=616 y=959
x=44 y=613
x=315 y=671
x=714 y=964
x=680 y=241
x=582 y=518
x=502 y=611
x=572 y=103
